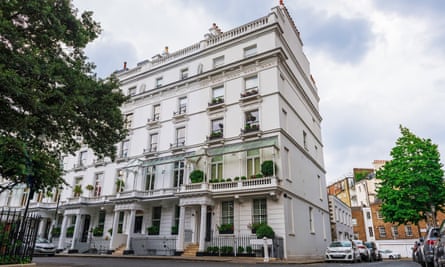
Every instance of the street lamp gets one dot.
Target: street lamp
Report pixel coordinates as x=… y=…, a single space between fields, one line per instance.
x=58 y=193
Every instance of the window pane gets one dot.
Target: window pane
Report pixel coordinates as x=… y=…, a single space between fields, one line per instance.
x=251 y=82
x=218 y=92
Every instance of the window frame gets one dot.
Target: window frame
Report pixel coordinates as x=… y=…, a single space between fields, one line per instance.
x=250 y=50
x=218 y=61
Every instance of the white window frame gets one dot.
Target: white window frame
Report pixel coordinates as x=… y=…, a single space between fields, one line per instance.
x=250 y=51
x=158 y=82
x=218 y=61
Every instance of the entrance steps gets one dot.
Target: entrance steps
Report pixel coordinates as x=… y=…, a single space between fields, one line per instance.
x=119 y=251
x=190 y=250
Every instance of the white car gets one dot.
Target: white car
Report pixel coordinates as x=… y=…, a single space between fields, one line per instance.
x=389 y=254
x=342 y=251
x=44 y=247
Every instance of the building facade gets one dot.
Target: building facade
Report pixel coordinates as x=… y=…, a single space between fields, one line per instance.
x=341 y=219
x=224 y=135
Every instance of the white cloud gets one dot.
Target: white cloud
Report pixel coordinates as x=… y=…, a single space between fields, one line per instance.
x=397 y=77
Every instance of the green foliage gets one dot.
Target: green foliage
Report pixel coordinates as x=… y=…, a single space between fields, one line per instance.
x=55 y=232
x=89 y=187
x=240 y=250
x=226 y=228
x=50 y=95
x=226 y=250
x=249 y=250
x=153 y=230
x=70 y=231
x=174 y=230
x=197 y=176
x=264 y=230
x=412 y=182
x=98 y=231
x=267 y=168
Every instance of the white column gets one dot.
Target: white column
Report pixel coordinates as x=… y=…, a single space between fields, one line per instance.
x=115 y=223
x=42 y=226
x=180 y=240
x=130 y=228
x=202 y=228
x=63 y=232
x=76 y=230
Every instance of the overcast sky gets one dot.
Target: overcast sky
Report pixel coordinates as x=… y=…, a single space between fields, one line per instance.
x=378 y=64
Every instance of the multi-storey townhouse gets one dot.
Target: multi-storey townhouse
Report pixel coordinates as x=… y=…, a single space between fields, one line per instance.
x=341 y=219
x=224 y=135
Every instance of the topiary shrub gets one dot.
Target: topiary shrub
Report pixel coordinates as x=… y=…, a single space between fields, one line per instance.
x=264 y=230
x=267 y=168
x=197 y=176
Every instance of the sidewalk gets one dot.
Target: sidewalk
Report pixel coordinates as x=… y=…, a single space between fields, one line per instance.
x=247 y=260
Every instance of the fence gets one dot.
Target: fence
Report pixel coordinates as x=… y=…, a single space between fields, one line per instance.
x=17 y=236
x=153 y=245
x=234 y=242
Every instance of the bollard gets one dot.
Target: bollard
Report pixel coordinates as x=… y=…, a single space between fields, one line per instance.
x=266 y=250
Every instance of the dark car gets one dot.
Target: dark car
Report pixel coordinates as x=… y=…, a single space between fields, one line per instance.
x=374 y=253
x=425 y=254
x=439 y=250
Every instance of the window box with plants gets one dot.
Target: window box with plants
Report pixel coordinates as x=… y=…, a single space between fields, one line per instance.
x=225 y=229
x=98 y=231
x=216 y=135
x=153 y=230
x=251 y=127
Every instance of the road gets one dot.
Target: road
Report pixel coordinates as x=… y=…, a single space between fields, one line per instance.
x=60 y=261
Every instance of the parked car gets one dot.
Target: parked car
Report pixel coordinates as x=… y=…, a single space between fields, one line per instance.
x=342 y=251
x=439 y=250
x=364 y=252
x=389 y=254
x=44 y=247
x=425 y=254
x=374 y=254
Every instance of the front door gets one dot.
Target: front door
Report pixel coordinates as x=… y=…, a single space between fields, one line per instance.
x=86 y=226
x=209 y=225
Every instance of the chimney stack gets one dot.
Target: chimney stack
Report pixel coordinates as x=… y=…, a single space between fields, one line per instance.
x=125 y=65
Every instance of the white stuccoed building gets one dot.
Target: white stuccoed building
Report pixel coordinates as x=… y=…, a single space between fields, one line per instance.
x=224 y=105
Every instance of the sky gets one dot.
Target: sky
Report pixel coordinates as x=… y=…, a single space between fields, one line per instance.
x=378 y=64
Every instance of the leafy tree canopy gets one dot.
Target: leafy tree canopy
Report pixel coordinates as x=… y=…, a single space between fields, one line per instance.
x=51 y=101
x=412 y=182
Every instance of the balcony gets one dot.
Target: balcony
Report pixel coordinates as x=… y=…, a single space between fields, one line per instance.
x=99 y=162
x=152 y=151
x=79 y=166
x=249 y=96
x=216 y=137
x=181 y=114
x=138 y=194
x=217 y=104
x=87 y=200
x=154 y=122
x=251 y=129
x=242 y=186
x=178 y=146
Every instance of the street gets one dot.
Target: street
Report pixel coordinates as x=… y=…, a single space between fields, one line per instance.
x=86 y=261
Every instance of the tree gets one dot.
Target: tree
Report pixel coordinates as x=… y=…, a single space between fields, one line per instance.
x=412 y=184
x=51 y=101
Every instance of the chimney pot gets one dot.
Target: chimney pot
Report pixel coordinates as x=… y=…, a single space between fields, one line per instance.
x=125 y=65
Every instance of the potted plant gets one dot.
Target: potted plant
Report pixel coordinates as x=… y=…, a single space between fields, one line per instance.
x=110 y=231
x=120 y=185
x=90 y=188
x=264 y=230
x=196 y=176
x=267 y=168
x=77 y=190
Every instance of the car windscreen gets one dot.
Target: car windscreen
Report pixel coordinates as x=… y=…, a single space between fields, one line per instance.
x=340 y=244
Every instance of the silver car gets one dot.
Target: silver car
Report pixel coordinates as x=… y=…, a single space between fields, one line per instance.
x=44 y=247
x=342 y=251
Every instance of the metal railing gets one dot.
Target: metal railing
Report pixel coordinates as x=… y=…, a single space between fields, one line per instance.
x=17 y=236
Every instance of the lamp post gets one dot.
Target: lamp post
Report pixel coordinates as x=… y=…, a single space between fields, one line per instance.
x=58 y=192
